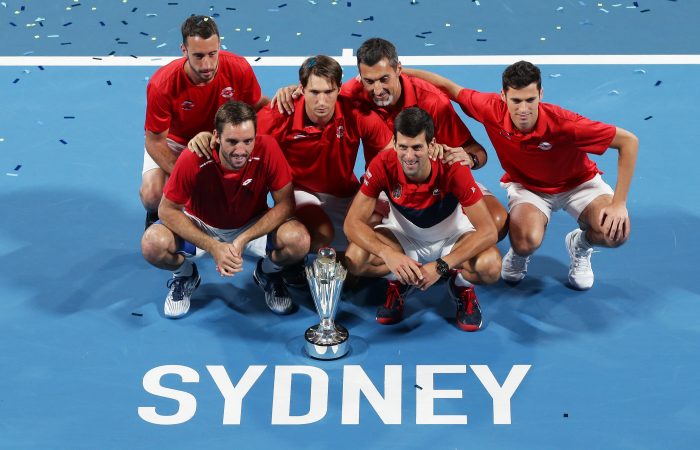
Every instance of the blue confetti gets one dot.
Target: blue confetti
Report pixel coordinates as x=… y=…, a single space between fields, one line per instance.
x=636 y=5
x=109 y=83
x=69 y=117
x=657 y=83
x=66 y=43
x=134 y=9
x=355 y=34
x=263 y=51
x=256 y=38
x=419 y=36
x=427 y=32
x=102 y=23
x=349 y=4
x=41 y=67
x=258 y=58
x=648 y=117
x=16 y=81
x=370 y=18
x=125 y=22
x=122 y=42
x=111 y=53
x=63 y=142
x=282 y=5
x=645 y=10
x=481 y=40
x=172 y=3
x=13 y=24
x=67 y=23
x=134 y=56
x=143 y=33
x=230 y=9
x=19 y=166
x=75 y=4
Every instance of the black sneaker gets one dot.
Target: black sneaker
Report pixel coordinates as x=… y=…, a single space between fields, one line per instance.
x=294 y=275
x=468 y=310
x=392 y=310
x=277 y=296
x=151 y=218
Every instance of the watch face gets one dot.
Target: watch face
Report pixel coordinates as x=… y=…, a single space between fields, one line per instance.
x=442 y=267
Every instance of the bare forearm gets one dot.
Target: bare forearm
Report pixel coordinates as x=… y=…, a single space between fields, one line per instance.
x=362 y=235
x=181 y=225
x=159 y=150
x=269 y=221
x=627 y=145
x=446 y=85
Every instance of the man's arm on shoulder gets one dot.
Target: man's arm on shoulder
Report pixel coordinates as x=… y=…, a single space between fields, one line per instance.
x=446 y=85
x=158 y=149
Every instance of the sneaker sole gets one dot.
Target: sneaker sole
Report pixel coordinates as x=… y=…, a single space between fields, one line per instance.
x=285 y=312
x=199 y=280
x=385 y=321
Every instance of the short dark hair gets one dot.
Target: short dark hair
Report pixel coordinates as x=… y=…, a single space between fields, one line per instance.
x=413 y=121
x=234 y=113
x=374 y=50
x=520 y=75
x=201 y=26
x=321 y=66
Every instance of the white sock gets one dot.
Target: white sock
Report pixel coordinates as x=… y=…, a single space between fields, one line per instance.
x=461 y=281
x=185 y=270
x=269 y=266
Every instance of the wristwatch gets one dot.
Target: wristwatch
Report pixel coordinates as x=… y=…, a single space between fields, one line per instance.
x=442 y=268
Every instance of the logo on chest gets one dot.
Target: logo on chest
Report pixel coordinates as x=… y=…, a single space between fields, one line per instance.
x=187 y=105
x=544 y=146
x=396 y=192
x=227 y=92
x=340 y=131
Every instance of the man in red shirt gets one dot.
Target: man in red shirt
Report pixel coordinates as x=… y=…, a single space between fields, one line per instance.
x=182 y=98
x=543 y=150
x=438 y=225
x=320 y=140
x=219 y=206
x=383 y=88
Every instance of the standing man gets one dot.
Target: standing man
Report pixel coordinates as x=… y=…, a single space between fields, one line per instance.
x=219 y=206
x=182 y=98
x=438 y=225
x=543 y=150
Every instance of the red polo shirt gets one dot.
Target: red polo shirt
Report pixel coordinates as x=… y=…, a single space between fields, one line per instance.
x=225 y=198
x=323 y=160
x=175 y=104
x=449 y=128
x=552 y=158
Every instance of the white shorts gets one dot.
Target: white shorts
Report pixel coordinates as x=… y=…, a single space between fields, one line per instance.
x=149 y=164
x=336 y=208
x=484 y=190
x=256 y=247
x=427 y=244
x=573 y=201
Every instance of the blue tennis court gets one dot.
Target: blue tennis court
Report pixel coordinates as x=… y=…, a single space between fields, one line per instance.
x=84 y=340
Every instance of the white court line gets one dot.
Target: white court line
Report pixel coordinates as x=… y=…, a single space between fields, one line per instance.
x=347 y=59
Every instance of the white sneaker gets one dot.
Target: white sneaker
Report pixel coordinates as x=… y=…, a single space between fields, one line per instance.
x=514 y=267
x=580 y=271
x=177 y=303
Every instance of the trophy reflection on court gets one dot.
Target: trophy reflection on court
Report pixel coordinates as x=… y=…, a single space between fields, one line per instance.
x=327 y=340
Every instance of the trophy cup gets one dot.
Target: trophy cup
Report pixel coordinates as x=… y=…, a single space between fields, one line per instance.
x=327 y=340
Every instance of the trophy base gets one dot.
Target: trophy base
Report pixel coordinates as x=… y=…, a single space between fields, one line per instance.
x=322 y=348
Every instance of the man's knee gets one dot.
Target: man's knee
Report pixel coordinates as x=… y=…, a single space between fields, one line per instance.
x=151 y=193
x=155 y=243
x=355 y=259
x=294 y=237
x=525 y=241
x=488 y=265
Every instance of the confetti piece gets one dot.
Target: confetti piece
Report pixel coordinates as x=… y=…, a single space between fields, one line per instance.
x=63 y=142
x=258 y=58
x=256 y=38
x=561 y=8
x=230 y=9
x=604 y=10
x=640 y=71
x=566 y=414
x=109 y=83
x=19 y=166
x=161 y=45
x=172 y=3
x=16 y=81
x=648 y=117
x=428 y=44
x=53 y=36
x=263 y=51
x=313 y=2
x=67 y=23
x=554 y=75
x=355 y=34
x=151 y=15
x=125 y=22
x=41 y=67
x=370 y=18
x=414 y=2
x=645 y=10
x=11 y=174
x=349 y=4
x=69 y=117
x=13 y=24
x=143 y=33
x=481 y=40
x=418 y=387
x=267 y=38
x=419 y=36
x=134 y=56
x=137 y=314
x=636 y=4
x=657 y=83
x=134 y=9
x=614 y=92
x=282 y=5
x=427 y=32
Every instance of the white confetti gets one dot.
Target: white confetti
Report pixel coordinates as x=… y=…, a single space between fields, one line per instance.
x=561 y=8
x=604 y=10
x=554 y=75
x=614 y=92
x=11 y=174
x=267 y=38
x=151 y=15
x=642 y=71
x=161 y=45
x=429 y=45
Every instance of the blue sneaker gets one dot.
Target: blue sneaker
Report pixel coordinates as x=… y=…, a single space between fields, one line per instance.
x=277 y=296
x=177 y=303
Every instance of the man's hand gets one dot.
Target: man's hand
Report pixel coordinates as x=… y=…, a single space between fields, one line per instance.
x=229 y=261
x=430 y=276
x=614 y=221
x=406 y=269
x=284 y=98
x=201 y=144
x=450 y=155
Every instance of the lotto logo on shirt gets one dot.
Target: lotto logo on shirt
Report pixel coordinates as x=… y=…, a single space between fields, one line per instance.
x=340 y=132
x=227 y=92
x=187 y=105
x=396 y=193
x=545 y=146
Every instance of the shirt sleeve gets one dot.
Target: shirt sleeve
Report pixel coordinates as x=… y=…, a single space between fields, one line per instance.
x=279 y=174
x=178 y=188
x=476 y=104
x=158 y=112
x=592 y=136
x=249 y=88
x=449 y=128
x=464 y=187
x=374 y=180
x=374 y=133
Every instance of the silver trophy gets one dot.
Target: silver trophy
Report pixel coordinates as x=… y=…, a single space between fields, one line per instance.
x=327 y=340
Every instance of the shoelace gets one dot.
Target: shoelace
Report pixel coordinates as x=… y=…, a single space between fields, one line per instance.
x=517 y=263
x=392 y=294
x=582 y=260
x=179 y=287
x=466 y=299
